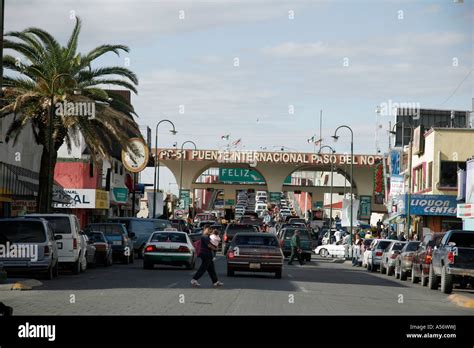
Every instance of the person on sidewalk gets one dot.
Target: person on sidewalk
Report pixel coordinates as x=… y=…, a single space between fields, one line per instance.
x=207 y=264
x=296 y=248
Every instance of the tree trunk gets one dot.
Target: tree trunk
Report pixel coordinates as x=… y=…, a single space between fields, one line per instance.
x=43 y=190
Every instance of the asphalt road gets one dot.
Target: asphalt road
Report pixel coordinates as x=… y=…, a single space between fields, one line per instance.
x=321 y=287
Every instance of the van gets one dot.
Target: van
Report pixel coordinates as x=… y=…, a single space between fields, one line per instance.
x=72 y=248
x=36 y=239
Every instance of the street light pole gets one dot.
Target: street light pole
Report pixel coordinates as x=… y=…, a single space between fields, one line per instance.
x=332 y=183
x=181 y=166
x=335 y=136
x=156 y=183
x=410 y=146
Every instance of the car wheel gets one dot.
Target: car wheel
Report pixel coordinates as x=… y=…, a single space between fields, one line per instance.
x=323 y=252
x=83 y=264
x=369 y=267
x=125 y=259
x=56 y=270
x=382 y=269
x=433 y=280
x=446 y=281
x=278 y=274
x=414 y=278
x=397 y=272
x=403 y=275
x=94 y=262
x=131 y=257
x=49 y=274
x=76 y=267
x=147 y=265
x=389 y=271
x=423 y=278
x=230 y=272
x=373 y=268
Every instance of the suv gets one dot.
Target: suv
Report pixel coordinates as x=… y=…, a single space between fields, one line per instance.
x=387 y=264
x=375 y=254
x=404 y=261
x=306 y=243
x=231 y=230
x=141 y=229
x=422 y=257
x=452 y=261
x=119 y=237
x=36 y=236
x=72 y=248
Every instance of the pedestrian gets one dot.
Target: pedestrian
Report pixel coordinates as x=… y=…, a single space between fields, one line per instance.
x=356 y=250
x=296 y=248
x=337 y=235
x=215 y=241
x=402 y=237
x=207 y=264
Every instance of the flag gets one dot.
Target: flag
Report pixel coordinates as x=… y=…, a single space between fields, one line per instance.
x=225 y=137
x=237 y=142
x=310 y=140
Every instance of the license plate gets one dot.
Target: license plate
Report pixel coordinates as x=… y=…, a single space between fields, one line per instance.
x=117 y=242
x=254 y=266
x=60 y=245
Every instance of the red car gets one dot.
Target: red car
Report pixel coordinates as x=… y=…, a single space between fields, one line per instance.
x=422 y=257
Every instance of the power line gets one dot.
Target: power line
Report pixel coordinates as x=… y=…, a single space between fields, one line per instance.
x=456 y=89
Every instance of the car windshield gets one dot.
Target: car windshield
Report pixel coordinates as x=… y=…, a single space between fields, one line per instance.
x=383 y=244
x=22 y=232
x=303 y=234
x=168 y=238
x=266 y=241
x=412 y=246
x=398 y=246
x=463 y=239
x=367 y=242
x=59 y=224
x=241 y=228
x=116 y=230
x=97 y=237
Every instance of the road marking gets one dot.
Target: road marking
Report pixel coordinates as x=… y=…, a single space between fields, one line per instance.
x=172 y=285
x=462 y=301
x=303 y=289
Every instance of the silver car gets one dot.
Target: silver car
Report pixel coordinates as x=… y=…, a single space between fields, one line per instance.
x=35 y=243
x=389 y=257
x=375 y=254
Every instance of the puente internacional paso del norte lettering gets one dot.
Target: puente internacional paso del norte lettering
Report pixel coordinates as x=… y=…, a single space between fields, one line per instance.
x=274 y=167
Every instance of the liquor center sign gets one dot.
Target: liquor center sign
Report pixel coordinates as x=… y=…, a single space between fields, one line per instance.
x=253 y=157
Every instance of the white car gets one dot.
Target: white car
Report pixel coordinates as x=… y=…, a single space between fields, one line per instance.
x=72 y=247
x=169 y=248
x=332 y=250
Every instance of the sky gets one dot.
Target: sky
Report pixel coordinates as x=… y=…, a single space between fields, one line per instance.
x=262 y=70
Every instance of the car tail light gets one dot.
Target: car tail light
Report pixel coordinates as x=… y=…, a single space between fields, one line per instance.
x=230 y=255
x=378 y=253
x=150 y=248
x=74 y=243
x=451 y=257
x=226 y=238
x=428 y=259
x=46 y=250
x=282 y=243
x=183 y=249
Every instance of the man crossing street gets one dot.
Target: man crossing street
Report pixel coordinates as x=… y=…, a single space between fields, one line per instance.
x=296 y=248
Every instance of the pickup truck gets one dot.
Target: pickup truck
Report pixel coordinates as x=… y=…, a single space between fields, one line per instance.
x=452 y=261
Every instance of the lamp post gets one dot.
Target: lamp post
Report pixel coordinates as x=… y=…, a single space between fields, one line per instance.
x=335 y=136
x=407 y=208
x=332 y=183
x=181 y=166
x=156 y=183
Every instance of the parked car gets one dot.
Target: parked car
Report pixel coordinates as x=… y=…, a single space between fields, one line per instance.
x=387 y=264
x=375 y=253
x=120 y=238
x=169 y=248
x=37 y=235
x=334 y=250
x=305 y=239
x=231 y=230
x=141 y=229
x=403 y=262
x=254 y=252
x=90 y=254
x=422 y=257
x=103 y=248
x=365 y=248
x=71 y=248
x=452 y=261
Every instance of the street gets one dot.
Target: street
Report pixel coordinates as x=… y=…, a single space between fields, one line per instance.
x=322 y=287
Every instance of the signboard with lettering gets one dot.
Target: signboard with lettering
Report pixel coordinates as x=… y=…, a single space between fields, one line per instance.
x=84 y=199
x=253 y=157
x=441 y=205
x=275 y=197
x=397 y=185
x=240 y=175
x=185 y=200
x=365 y=207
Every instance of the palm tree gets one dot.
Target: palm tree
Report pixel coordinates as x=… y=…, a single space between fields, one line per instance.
x=49 y=74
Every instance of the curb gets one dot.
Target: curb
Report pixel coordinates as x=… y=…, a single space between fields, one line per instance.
x=26 y=284
x=462 y=301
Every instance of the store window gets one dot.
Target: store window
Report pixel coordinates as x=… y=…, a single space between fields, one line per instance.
x=448 y=173
x=429 y=182
x=418 y=179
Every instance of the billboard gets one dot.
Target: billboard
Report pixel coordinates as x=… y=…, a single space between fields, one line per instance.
x=439 y=205
x=395 y=164
x=397 y=185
